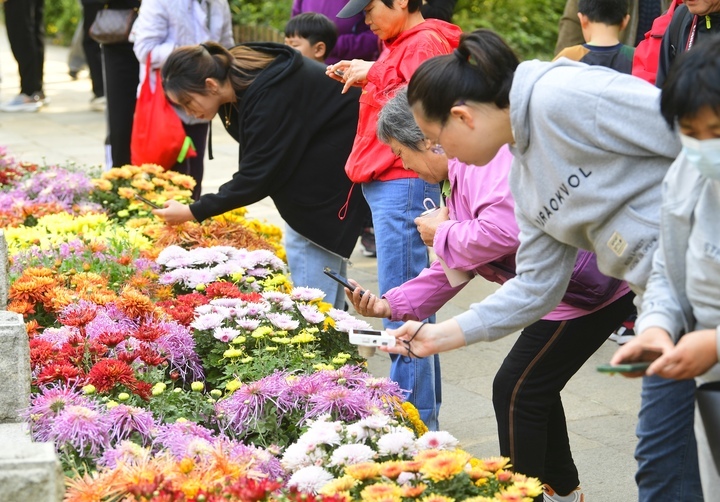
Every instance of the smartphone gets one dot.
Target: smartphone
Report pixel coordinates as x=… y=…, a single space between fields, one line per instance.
x=339 y=278
x=624 y=367
x=146 y=201
x=339 y=73
x=371 y=338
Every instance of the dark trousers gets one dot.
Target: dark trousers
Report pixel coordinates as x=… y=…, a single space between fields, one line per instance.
x=195 y=166
x=121 y=74
x=25 y=24
x=526 y=392
x=93 y=56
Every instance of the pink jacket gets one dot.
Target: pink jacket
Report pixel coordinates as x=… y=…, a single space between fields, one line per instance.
x=481 y=237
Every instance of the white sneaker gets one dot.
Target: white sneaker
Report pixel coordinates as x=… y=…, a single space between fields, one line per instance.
x=549 y=495
x=622 y=335
x=98 y=104
x=21 y=103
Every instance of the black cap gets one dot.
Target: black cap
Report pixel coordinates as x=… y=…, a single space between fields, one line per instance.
x=352 y=8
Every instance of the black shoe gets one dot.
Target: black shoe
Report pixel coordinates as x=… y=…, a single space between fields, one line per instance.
x=73 y=74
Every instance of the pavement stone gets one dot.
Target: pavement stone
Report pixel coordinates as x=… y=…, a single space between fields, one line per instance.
x=601 y=410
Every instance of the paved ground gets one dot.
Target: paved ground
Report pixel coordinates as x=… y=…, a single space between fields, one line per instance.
x=601 y=410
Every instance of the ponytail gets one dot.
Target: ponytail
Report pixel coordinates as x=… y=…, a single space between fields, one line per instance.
x=481 y=69
x=187 y=68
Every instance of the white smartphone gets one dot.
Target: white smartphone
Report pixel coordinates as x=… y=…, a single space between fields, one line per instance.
x=371 y=338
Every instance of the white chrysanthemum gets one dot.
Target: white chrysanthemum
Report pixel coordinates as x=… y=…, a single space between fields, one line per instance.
x=306 y=294
x=356 y=432
x=437 y=440
x=322 y=433
x=349 y=454
x=207 y=321
x=310 y=479
x=296 y=457
x=397 y=443
x=375 y=421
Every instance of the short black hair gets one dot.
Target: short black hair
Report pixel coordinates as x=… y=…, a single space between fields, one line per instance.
x=693 y=82
x=609 y=12
x=314 y=27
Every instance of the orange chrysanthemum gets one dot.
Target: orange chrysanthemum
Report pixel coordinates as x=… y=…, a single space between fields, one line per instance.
x=134 y=304
x=363 y=470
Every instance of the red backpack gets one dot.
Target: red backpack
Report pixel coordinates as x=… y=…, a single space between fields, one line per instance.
x=647 y=53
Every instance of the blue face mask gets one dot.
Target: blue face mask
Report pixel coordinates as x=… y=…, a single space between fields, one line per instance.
x=703 y=154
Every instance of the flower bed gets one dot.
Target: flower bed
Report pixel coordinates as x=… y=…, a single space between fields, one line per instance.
x=182 y=364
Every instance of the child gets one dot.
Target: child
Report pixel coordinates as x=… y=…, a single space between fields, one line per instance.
x=312 y=34
x=680 y=317
x=601 y=22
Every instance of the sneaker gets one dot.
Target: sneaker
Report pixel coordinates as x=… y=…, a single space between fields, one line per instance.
x=73 y=74
x=21 y=103
x=367 y=241
x=41 y=98
x=549 y=495
x=98 y=104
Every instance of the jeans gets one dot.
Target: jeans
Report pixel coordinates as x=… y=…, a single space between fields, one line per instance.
x=401 y=256
x=307 y=261
x=666 y=451
x=526 y=392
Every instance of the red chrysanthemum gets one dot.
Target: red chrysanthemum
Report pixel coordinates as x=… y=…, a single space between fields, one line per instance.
x=111 y=339
x=58 y=372
x=41 y=353
x=78 y=315
x=108 y=373
x=149 y=356
x=222 y=289
x=148 y=332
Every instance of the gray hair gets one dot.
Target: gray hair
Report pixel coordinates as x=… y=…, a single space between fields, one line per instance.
x=396 y=122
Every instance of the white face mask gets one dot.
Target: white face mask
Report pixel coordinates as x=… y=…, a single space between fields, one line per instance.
x=703 y=154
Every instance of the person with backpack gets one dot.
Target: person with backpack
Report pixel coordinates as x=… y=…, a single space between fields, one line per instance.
x=692 y=21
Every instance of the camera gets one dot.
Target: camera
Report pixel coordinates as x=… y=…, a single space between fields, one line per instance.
x=371 y=338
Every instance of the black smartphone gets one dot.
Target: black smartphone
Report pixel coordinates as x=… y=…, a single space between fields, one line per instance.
x=339 y=278
x=339 y=73
x=147 y=201
x=624 y=367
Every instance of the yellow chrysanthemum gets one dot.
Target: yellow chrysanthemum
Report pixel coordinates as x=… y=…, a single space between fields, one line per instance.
x=381 y=492
x=339 y=485
x=434 y=497
x=363 y=471
x=445 y=465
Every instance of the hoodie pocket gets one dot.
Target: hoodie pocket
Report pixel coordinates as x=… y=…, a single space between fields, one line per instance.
x=625 y=245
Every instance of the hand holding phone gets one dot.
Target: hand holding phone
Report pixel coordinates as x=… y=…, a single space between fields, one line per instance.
x=624 y=367
x=147 y=201
x=339 y=73
x=337 y=277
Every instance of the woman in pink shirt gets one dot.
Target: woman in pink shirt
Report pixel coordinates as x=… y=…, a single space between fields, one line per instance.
x=477 y=233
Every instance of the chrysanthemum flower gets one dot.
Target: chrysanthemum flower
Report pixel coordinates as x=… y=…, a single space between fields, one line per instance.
x=381 y=492
x=81 y=427
x=438 y=440
x=127 y=420
x=400 y=443
x=310 y=479
x=445 y=465
x=348 y=454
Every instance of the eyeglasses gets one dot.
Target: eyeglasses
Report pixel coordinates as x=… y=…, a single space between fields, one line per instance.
x=437 y=149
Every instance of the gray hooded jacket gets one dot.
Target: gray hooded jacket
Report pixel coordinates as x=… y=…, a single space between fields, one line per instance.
x=591 y=150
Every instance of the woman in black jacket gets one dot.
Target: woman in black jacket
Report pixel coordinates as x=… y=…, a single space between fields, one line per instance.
x=295 y=131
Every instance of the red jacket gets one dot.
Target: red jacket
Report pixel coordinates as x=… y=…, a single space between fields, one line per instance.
x=371 y=159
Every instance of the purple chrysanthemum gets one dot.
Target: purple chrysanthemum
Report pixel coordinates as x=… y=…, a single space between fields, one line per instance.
x=179 y=347
x=126 y=420
x=82 y=428
x=305 y=294
x=126 y=452
x=246 y=406
x=340 y=402
x=46 y=405
x=181 y=438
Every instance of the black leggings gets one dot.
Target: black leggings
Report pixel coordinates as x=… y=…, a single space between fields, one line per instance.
x=25 y=23
x=526 y=392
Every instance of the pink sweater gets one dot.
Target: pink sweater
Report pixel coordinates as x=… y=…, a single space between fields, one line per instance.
x=480 y=237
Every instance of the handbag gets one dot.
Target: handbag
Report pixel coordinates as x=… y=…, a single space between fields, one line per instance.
x=708 y=402
x=158 y=136
x=112 y=26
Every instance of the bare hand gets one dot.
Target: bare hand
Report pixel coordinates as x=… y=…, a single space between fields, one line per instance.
x=427 y=225
x=647 y=346
x=693 y=355
x=174 y=213
x=431 y=339
x=367 y=304
x=354 y=73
